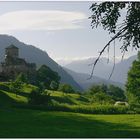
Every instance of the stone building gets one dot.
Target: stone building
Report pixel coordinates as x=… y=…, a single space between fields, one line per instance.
x=13 y=65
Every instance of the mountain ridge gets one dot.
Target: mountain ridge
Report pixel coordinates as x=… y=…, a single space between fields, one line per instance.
x=103 y=70
x=33 y=54
x=82 y=79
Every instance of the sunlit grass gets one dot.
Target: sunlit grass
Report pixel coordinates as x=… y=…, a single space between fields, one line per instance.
x=17 y=98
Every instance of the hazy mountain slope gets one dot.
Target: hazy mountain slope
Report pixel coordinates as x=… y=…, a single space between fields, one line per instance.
x=81 y=78
x=33 y=54
x=103 y=69
x=81 y=66
x=122 y=68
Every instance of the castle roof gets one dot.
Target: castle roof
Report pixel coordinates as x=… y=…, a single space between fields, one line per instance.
x=12 y=47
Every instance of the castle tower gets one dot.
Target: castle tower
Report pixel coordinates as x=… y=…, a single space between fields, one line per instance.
x=13 y=65
x=12 y=52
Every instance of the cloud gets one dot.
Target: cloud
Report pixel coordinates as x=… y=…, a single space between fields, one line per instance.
x=41 y=20
x=66 y=60
x=73 y=58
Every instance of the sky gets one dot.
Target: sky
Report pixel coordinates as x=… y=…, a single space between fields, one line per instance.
x=62 y=29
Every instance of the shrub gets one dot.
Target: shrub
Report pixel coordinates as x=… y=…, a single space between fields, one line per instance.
x=15 y=86
x=102 y=98
x=94 y=89
x=100 y=109
x=22 y=78
x=94 y=109
x=37 y=98
x=66 y=88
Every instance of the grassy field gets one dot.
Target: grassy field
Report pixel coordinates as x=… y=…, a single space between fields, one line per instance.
x=31 y=123
x=19 y=122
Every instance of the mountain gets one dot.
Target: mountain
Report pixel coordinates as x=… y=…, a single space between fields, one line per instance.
x=35 y=55
x=122 y=68
x=103 y=69
x=81 y=78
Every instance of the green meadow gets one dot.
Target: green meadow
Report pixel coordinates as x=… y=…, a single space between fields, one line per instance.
x=18 y=122
x=33 y=123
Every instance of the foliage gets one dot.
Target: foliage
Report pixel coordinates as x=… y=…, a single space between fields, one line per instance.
x=102 y=98
x=66 y=88
x=54 y=85
x=116 y=93
x=38 y=98
x=16 y=85
x=86 y=109
x=107 y=93
x=45 y=75
x=22 y=78
x=107 y=15
x=95 y=89
x=133 y=82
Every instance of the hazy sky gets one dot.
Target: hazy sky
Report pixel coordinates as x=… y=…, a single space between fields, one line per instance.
x=62 y=29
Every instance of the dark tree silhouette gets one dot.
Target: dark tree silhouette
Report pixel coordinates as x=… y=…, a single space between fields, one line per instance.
x=46 y=75
x=107 y=15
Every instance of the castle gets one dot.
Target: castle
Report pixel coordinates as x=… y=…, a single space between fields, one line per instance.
x=13 y=65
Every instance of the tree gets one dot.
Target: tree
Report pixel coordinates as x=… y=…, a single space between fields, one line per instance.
x=66 y=88
x=15 y=86
x=104 y=88
x=54 y=85
x=116 y=93
x=22 y=78
x=133 y=81
x=109 y=92
x=46 y=75
x=95 y=89
x=37 y=97
x=107 y=15
x=102 y=98
x=98 y=88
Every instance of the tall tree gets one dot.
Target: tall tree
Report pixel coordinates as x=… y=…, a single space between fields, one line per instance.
x=133 y=81
x=46 y=75
x=107 y=15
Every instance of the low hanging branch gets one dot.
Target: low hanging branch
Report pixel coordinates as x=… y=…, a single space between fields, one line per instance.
x=96 y=61
x=108 y=54
x=107 y=15
x=113 y=64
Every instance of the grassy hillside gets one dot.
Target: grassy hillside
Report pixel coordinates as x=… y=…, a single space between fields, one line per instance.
x=72 y=99
x=62 y=102
x=8 y=98
x=19 y=122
